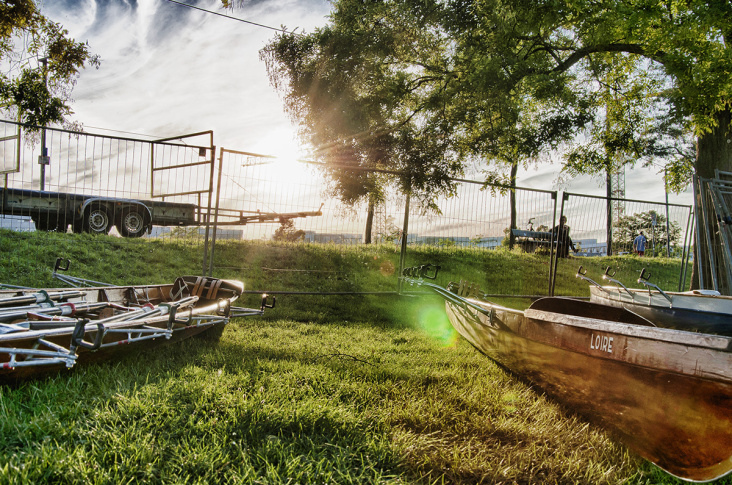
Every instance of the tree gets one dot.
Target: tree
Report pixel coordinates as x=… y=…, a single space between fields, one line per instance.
x=486 y=78
x=42 y=64
x=628 y=227
x=287 y=232
x=346 y=86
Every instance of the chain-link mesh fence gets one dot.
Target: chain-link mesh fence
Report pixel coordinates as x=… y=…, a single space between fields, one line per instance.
x=92 y=183
x=58 y=180
x=664 y=228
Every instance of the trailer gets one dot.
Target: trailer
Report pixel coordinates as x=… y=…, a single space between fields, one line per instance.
x=56 y=211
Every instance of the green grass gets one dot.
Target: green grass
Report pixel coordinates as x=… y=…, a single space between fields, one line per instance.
x=322 y=390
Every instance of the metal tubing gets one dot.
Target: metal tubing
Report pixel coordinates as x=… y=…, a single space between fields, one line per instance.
x=686 y=249
x=216 y=213
x=712 y=265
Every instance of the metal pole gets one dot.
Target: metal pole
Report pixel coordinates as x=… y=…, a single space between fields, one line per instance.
x=405 y=230
x=668 y=225
x=552 y=252
x=565 y=196
x=208 y=207
x=216 y=212
x=43 y=159
x=609 y=210
x=697 y=237
x=685 y=253
x=705 y=221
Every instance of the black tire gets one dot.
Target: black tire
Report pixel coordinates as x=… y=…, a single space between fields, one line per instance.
x=96 y=220
x=132 y=223
x=45 y=222
x=77 y=227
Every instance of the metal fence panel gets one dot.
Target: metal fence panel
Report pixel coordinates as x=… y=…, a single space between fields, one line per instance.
x=587 y=218
x=478 y=219
x=39 y=188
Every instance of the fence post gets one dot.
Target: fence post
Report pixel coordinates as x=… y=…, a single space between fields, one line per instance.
x=405 y=230
x=552 y=252
x=668 y=224
x=216 y=210
x=208 y=207
x=609 y=210
x=555 y=247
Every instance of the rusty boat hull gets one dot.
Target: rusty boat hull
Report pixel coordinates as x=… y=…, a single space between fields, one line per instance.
x=72 y=327
x=665 y=393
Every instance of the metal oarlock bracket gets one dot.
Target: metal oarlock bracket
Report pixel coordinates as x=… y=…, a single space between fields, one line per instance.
x=77 y=336
x=422 y=271
x=610 y=277
x=643 y=279
x=581 y=272
x=58 y=266
x=265 y=296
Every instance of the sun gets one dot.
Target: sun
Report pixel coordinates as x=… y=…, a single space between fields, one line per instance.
x=288 y=154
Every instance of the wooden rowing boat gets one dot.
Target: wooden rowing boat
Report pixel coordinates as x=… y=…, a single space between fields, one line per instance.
x=666 y=393
x=43 y=331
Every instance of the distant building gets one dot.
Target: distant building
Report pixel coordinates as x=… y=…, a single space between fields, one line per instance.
x=197 y=232
x=313 y=237
x=590 y=247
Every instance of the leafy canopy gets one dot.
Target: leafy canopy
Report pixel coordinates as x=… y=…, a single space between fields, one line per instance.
x=424 y=86
x=40 y=64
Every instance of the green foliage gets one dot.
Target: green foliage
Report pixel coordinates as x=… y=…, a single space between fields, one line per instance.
x=626 y=228
x=423 y=86
x=44 y=64
x=287 y=232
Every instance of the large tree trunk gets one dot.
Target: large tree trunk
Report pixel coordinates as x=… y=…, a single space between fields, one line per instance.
x=714 y=151
x=511 y=237
x=369 y=222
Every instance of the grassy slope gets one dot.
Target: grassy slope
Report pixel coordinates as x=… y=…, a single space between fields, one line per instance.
x=361 y=390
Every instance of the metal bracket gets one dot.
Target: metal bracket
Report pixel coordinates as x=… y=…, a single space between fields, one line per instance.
x=581 y=272
x=58 y=266
x=609 y=276
x=265 y=296
x=77 y=336
x=643 y=279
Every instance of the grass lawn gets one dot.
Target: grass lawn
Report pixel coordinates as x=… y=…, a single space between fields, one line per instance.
x=357 y=390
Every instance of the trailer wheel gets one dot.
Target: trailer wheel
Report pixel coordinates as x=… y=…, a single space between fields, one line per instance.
x=77 y=226
x=132 y=223
x=96 y=220
x=45 y=223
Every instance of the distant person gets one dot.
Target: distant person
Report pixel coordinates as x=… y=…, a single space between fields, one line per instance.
x=560 y=235
x=639 y=244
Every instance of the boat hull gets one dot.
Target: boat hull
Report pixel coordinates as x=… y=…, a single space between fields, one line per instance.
x=124 y=320
x=686 y=311
x=668 y=401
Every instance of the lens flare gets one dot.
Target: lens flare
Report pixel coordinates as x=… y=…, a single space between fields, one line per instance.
x=434 y=321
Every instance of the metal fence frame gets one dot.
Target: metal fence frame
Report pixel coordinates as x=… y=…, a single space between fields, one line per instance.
x=211 y=212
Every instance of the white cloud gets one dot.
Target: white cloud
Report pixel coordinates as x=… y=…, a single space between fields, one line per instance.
x=167 y=69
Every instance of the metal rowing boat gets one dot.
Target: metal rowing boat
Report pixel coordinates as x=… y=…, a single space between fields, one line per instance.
x=666 y=393
x=46 y=330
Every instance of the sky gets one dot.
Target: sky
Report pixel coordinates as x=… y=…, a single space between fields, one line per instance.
x=170 y=70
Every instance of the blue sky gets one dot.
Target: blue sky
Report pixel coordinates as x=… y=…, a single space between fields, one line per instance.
x=168 y=70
